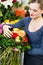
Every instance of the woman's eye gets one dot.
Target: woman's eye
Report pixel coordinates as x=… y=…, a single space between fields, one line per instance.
x=35 y=10
x=32 y=10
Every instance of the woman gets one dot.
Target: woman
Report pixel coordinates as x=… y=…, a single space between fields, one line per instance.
x=33 y=26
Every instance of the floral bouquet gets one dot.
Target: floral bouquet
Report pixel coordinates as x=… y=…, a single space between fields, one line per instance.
x=20 y=38
x=13 y=46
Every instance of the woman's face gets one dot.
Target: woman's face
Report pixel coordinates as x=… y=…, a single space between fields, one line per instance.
x=35 y=10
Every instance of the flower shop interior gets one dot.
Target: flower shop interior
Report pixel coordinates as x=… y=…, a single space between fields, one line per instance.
x=11 y=12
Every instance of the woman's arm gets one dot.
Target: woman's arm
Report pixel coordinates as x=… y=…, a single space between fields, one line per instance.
x=6 y=27
x=21 y=23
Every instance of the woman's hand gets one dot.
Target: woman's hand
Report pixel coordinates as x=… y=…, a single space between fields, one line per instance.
x=6 y=30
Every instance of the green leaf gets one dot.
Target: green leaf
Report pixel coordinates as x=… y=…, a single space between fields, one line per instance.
x=28 y=47
x=1 y=13
x=26 y=7
x=18 y=47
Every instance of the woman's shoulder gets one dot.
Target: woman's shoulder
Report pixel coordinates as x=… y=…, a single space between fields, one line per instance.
x=26 y=19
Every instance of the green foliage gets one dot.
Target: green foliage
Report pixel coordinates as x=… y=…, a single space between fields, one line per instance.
x=8 y=55
x=7 y=13
x=26 y=7
x=5 y=41
x=17 y=4
x=10 y=42
x=2 y=10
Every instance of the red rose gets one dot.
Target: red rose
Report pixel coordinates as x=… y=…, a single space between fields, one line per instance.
x=14 y=35
x=3 y=0
x=25 y=39
x=14 y=0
